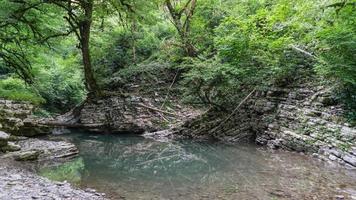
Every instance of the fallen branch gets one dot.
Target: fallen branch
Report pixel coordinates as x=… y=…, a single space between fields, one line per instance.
x=158 y=110
x=303 y=51
x=234 y=111
x=169 y=89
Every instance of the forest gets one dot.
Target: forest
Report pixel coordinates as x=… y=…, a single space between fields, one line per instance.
x=177 y=99
x=55 y=52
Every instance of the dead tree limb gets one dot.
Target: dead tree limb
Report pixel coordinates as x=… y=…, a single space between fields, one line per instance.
x=234 y=111
x=158 y=110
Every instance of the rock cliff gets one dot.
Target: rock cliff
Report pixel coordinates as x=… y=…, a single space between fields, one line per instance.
x=303 y=118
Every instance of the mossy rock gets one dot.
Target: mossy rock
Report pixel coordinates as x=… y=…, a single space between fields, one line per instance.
x=27 y=155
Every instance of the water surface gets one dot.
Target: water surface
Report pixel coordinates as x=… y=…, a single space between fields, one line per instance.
x=133 y=167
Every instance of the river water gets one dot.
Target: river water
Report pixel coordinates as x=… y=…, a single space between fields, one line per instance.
x=133 y=167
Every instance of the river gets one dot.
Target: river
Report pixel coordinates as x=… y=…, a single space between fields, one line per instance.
x=133 y=167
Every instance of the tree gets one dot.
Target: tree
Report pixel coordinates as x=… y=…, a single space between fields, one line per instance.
x=181 y=19
x=17 y=32
x=79 y=17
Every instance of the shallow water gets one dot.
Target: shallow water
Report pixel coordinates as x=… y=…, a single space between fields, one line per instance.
x=133 y=167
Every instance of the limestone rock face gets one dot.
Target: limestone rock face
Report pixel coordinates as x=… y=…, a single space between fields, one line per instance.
x=50 y=149
x=16 y=119
x=303 y=118
x=307 y=119
x=129 y=113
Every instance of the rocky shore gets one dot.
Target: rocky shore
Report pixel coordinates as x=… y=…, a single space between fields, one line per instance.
x=17 y=181
x=20 y=184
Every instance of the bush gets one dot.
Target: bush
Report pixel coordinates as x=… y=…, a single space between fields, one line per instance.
x=16 y=89
x=60 y=84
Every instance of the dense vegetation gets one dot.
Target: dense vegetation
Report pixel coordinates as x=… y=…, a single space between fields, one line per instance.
x=54 y=52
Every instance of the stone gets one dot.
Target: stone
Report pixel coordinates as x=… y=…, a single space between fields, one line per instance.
x=339 y=197
x=348 y=133
x=51 y=149
x=353 y=151
x=274 y=144
x=332 y=157
x=27 y=155
x=328 y=101
x=335 y=152
x=11 y=147
x=350 y=159
x=16 y=183
x=4 y=137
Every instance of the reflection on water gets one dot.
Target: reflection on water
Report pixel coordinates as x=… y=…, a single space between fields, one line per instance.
x=132 y=167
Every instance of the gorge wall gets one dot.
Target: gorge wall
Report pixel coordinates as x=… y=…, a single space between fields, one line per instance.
x=304 y=118
x=17 y=118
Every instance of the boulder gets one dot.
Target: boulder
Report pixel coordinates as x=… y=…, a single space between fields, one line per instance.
x=11 y=147
x=4 y=137
x=49 y=149
x=27 y=155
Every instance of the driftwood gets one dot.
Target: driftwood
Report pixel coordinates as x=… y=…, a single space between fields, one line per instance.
x=158 y=110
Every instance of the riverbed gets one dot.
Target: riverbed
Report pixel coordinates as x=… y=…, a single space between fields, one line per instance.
x=134 y=167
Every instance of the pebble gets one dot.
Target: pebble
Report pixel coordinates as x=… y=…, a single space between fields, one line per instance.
x=339 y=197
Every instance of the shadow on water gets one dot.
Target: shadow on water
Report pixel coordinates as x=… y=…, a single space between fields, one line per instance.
x=134 y=167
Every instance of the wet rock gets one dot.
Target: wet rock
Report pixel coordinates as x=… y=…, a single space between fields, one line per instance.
x=4 y=137
x=27 y=155
x=11 y=147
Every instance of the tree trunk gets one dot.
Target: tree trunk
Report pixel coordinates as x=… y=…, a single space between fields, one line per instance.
x=84 y=29
x=189 y=48
x=183 y=27
x=133 y=34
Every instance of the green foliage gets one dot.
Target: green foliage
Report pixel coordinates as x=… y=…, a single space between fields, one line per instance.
x=211 y=82
x=241 y=45
x=337 y=49
x=16 y=89
x=118 y=53
x=60 y=83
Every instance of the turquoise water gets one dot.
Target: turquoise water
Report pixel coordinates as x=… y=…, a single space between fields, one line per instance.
x=134 y=167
